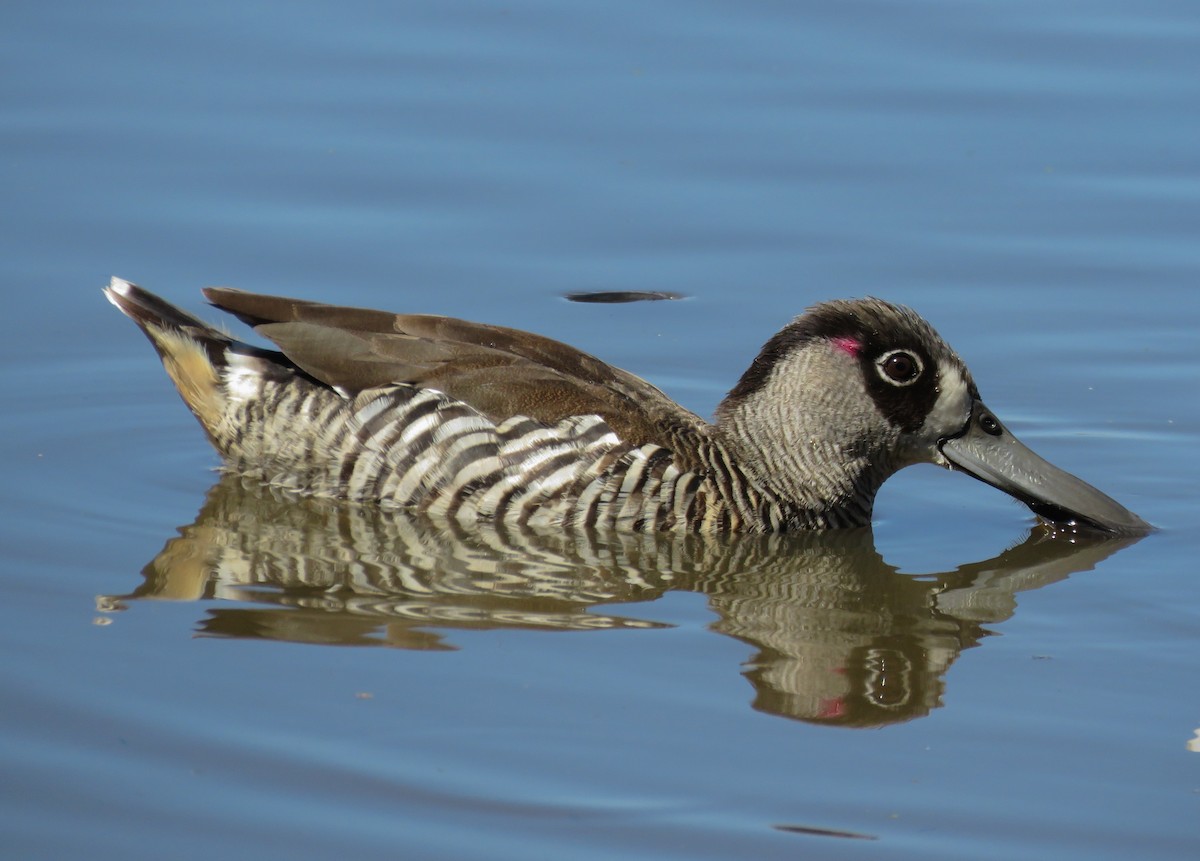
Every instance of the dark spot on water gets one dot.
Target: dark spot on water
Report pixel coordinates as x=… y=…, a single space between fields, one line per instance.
x=616 y=296
x=824 y=832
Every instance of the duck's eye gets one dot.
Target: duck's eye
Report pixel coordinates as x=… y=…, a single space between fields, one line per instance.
x=899 y=367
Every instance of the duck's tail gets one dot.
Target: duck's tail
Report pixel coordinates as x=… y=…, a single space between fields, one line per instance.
x=195 y=354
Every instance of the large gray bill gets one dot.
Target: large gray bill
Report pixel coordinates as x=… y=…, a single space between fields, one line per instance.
x=988 y=451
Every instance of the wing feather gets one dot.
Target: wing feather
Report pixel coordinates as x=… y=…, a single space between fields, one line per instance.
x=499 y=371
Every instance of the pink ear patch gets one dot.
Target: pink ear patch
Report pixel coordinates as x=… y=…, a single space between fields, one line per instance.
x=849 y=346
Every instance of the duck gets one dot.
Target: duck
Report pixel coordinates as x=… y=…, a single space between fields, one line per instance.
x=476 y=422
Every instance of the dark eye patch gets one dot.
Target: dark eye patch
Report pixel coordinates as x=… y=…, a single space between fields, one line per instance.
x=902 y=384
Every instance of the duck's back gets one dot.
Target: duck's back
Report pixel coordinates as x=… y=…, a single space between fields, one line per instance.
x=456 y=419
x=500 y=372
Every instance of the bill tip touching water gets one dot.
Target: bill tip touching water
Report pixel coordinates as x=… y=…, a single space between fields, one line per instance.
x=477 y=422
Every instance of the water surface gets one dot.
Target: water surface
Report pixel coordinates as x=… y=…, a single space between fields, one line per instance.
x=195 y=668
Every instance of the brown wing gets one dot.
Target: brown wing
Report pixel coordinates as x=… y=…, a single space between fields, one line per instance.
x=500 y=372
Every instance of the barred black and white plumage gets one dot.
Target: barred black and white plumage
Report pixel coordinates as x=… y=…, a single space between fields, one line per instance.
x=478 y=423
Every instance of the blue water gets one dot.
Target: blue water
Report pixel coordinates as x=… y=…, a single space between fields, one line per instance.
x=1026 y=175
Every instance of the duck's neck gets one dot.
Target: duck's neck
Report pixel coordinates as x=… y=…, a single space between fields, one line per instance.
x=817 y=474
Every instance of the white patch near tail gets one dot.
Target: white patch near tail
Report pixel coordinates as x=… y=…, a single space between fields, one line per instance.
x=243 y=377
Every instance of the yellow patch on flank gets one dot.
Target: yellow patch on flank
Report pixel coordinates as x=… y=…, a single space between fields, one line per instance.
x=194 y=375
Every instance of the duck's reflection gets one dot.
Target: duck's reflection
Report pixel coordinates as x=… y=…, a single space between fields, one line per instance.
x=840 y=636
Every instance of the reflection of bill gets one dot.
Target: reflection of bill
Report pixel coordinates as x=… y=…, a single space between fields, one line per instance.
x=1194 y=742
x=840 y=636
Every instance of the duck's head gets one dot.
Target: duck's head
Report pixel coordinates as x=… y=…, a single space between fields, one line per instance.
x=852 y=391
